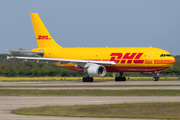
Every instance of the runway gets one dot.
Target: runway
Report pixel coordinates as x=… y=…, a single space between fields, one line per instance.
x=8 y=103
x=170 y=85
x=101 y=88
x=95 y=83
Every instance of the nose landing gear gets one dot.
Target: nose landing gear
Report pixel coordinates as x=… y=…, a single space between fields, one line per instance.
x=156 y=78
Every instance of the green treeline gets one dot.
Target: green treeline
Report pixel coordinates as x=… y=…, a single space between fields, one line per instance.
x=13 y=68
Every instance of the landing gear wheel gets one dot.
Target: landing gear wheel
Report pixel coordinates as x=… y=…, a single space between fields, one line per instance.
x=155 y=78
x=91 y=79
x=87 y=79
x=120 y=78
x=123 y=78
x=117 y=79
x=84 y=79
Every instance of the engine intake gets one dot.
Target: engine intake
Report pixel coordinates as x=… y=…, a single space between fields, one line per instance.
x=95 y=70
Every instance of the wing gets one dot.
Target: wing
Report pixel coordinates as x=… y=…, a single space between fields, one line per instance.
x=64 y=61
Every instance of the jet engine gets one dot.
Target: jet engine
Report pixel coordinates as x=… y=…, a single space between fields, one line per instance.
x=95 y=70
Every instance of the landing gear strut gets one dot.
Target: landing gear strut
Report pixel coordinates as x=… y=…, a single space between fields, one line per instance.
x=87 y=79
x=120 y=78
x=156 y=78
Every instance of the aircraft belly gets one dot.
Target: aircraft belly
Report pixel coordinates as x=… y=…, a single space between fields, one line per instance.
x=121 y=69
x=134 y=69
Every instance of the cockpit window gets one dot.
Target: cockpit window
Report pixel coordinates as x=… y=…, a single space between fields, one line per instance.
x=164 y=55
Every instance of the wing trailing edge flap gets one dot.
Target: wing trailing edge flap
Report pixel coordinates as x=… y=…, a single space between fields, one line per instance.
x=64 y=61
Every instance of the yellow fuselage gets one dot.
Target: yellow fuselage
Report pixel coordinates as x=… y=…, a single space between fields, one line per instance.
x=127 y=59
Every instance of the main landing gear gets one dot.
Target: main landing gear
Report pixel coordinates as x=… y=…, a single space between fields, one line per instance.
x=156 y=78
x=120 y=78
x=87 y=79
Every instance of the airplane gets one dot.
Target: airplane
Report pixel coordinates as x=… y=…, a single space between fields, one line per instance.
x=95 y=62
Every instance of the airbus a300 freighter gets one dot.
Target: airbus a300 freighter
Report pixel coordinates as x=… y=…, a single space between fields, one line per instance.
x=97 y=61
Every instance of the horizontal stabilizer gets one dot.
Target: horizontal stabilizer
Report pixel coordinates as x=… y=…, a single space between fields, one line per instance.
x=10 y=57
x=26 y=51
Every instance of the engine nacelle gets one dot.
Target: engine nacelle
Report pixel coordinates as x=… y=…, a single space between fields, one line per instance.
x=95 y=70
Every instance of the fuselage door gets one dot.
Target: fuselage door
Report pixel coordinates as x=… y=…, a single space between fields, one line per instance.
x=149 y=57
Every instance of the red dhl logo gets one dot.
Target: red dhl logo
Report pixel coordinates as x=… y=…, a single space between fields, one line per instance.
x=129 y=57
x=43 y=37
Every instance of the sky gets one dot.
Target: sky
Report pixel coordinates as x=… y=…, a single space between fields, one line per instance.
x=93 y=23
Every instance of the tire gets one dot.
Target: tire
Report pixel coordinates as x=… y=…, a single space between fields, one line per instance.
x=123 y=78
x=84 y=79
x=117 y=79
x=91 y=79
x=155 y=78
x=88 y=79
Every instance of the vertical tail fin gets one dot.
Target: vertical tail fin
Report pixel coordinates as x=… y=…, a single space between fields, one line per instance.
x=44 y=39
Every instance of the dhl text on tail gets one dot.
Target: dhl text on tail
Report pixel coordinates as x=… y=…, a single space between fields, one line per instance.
x=96 y=61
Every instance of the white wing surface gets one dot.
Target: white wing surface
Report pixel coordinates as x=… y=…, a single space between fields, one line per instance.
x=61 y=61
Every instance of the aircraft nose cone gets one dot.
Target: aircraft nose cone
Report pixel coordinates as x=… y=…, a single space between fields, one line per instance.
x=173 y=61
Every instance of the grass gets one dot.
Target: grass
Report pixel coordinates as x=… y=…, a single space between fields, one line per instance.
x=96 y=92
x=84 y=86
x=127 y=110
x=55 y=86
